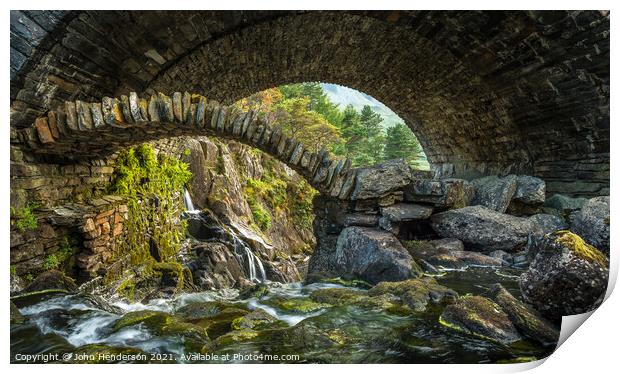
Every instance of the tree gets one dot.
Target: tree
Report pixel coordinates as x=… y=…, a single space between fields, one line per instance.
x=402 y=143
x=309 y=127
x=318 y=101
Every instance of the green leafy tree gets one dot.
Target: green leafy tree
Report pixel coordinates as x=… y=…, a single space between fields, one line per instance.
x=401 y=143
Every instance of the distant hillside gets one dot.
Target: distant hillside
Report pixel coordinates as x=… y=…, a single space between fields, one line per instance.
x=345 y=96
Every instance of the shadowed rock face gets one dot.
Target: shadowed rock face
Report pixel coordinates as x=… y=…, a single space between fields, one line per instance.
x=485 y=91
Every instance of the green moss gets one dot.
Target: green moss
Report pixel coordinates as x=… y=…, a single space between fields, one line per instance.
x=24 y=219
x=297 y=305
x=127 y=289
x=152 y=186
x=276 y=193
x=580 y=248
x=255 y=320
x=51 y=262
x=153 y=320
x=236 y=336
x=336 y=296
x=13 y=271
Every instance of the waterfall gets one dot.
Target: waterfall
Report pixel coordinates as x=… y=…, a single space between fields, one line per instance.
x=245 y=256
x=189 y=205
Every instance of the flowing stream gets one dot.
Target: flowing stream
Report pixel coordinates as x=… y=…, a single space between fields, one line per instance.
x=292 y=325
x=300 y=329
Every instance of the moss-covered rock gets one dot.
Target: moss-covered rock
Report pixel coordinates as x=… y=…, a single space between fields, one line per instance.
x=296 y=305
x=153 y=320
x=257 y=290
x=415 y=293
x=51 y=279
x=567 y=276
x=221 y=323
x=256 y=320
x=527 y=320
x=202 y=310
x=358 y=283
x=479 y=316
x=337 y=296
x=235 y=336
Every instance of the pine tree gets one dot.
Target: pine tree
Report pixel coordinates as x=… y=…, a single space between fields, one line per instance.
x=402 y=143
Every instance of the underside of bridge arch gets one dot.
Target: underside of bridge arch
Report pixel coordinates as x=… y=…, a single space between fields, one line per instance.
x=488 y=92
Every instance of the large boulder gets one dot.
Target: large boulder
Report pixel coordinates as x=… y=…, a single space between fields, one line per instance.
x=415 y=293
x=392 y=216
x=51 y=279
x=567 y=276
x=483 y=229
x=547 y=223
x=449 y=193
x=527 y=320
x=372 y=255
x=592 y=223
x=529 y=196
x=378 y=180
x=448 y=253
x=494 y=192
x=479 y=316
x=215 y=266
x=563 y=205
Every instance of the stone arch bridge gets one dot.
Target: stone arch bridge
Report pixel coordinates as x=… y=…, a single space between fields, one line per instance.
x=486 y=92
x=81 y=130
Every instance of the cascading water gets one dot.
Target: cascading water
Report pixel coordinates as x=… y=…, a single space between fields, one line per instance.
x=250 y=262
x=245 y=256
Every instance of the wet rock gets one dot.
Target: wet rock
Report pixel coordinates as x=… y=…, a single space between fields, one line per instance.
x=296 y=304
x=527 y=320
x=449 y=193
x=16 y=316
x=151 y=319
x=547 y=223
x=483 y=229
x=255 y=320
x=257 y=291
x=51 y=279
x=201 y=310
x=567 y=276
x=563 y=205
x=529 y=196
x=592 y=223
x=217 y=321
x=481 y=317
x=393 y=215
x=380 y=179
x=372 y=255
x=448 y=253
x=494 y=193
x=337 y=296
x=235 y=336
x=415 y=293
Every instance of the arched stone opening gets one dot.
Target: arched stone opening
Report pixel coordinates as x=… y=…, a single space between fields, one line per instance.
x=478 y=104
